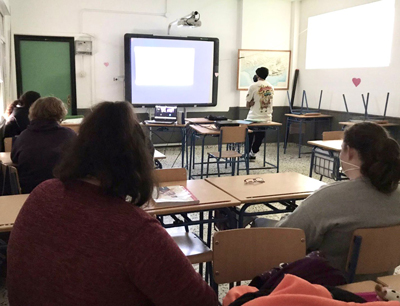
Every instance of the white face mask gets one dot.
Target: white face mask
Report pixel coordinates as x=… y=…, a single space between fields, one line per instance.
x=355 y=167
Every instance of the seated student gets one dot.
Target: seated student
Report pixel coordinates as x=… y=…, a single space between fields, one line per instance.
x=83 y=239
x=370 y=198
x=259 y=100
x=18 y=111
x=38 y=149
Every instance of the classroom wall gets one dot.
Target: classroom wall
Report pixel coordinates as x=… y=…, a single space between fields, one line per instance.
x=335 y=82
x=237 y=23
x=266 y=25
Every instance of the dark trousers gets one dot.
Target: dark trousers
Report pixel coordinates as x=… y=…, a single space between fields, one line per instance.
x=255 y=140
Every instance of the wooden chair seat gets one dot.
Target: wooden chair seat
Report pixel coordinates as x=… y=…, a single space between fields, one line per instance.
x=191 y=245
x=225 y=154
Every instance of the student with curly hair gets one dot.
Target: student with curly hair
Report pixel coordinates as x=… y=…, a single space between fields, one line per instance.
x=38 y=149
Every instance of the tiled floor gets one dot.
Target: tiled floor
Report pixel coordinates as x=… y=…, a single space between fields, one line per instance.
x=289 y=162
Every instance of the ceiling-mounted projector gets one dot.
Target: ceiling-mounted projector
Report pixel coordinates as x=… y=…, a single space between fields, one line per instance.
x=192 y=20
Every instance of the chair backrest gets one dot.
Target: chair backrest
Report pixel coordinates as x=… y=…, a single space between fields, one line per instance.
x=5 y=182
x=9 y=180
x=170 y=175
x=233 y=134
x=374 y=250
x=242 y=254
x=14 y=180
x=332 y=135
x=7 y=144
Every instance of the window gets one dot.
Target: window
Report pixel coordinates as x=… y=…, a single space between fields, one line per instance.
x=360 y=36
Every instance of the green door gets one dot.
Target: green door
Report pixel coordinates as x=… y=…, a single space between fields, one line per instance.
x=47 y=65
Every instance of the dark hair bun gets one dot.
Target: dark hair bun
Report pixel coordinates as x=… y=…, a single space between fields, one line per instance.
x=380 y=154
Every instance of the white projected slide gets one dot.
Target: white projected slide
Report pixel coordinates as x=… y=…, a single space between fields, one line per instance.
x=160 y=66
x=360 y=36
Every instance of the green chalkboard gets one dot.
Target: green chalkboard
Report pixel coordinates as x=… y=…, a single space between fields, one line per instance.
x=47 y=65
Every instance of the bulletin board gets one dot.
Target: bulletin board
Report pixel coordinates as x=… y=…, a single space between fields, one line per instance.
x=46 y=64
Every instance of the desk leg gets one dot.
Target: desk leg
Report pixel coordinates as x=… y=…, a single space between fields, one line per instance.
x=201 y=235
x=190 y=155
x=187 y=140
x=300 y=136
x=241 y=214
x=336 y=167
x=194 y=150
x=183 y=130
x=288 y=122
x=277 y=149
x=202 y=156
x=312 y=161
x=265 y=145
x=315 y=129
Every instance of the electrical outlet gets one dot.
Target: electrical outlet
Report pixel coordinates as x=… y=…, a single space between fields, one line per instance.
x=118 y=78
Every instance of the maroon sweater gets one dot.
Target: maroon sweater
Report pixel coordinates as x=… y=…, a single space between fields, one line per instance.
x=72 y=245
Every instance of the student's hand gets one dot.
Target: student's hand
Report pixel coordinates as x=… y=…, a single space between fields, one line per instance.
x=251 y=103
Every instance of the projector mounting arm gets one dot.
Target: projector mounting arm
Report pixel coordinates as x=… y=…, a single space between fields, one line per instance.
x=190 y=20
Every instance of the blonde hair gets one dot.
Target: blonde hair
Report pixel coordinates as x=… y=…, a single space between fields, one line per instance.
x=47 y=108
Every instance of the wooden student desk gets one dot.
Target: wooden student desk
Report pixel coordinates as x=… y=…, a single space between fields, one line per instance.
x=210 y=197
x=199 y=130
x=300 y=119
x=327 y=162
x=165 y=128
x=284 y=188
x=9 y=210
x=73 y=124
x=199 y=121
x=330 y=145
x=5 y=157
x=393 y=128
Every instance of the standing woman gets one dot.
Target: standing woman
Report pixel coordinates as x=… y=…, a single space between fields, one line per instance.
x=18 y=120
x=370 y=198
x=78 y=240
x=38 y=149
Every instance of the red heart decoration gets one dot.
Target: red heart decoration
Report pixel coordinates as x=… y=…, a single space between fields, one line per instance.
x=106 y=64
x=356 y=81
